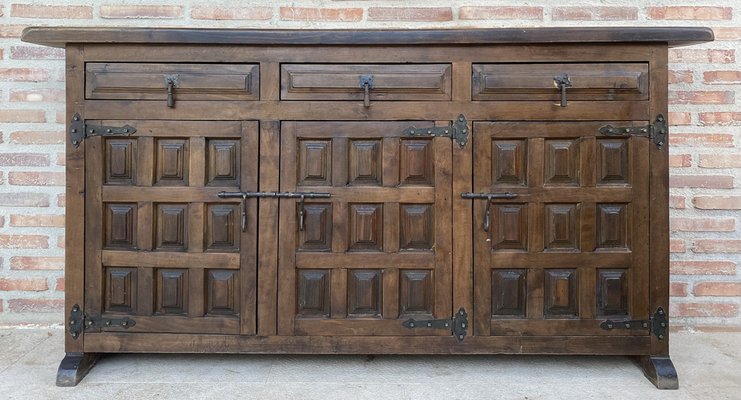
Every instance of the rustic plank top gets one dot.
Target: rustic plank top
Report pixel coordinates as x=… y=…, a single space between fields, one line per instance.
x=60 y=36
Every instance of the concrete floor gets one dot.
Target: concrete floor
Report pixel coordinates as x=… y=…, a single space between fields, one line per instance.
x=709 y=367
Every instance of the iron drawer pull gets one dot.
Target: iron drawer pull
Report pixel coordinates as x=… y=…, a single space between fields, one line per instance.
x=562 y=82
x=171 y=81
x=488 y=197
x=283 y=195
x=366 y=83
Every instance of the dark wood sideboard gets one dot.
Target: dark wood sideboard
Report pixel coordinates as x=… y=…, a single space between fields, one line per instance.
x=488 y=191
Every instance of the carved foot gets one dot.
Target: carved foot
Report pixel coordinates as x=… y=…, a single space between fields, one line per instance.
x=660 y=371
x=74 y=367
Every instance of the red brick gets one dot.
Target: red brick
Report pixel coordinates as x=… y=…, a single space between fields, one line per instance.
x=702 y=181
x=717 y=202
x=22 y=178
x=720 y=160
x=59 y=287
x=410 y=14
x=61 y=200
x=720 y=118
x=722 y=77
x=24 y=75
x=723 y=289
x=701 y=139
x=41 y=11
x=22 y=116
x=680 y=160
x=11 y=31
x=37 y=263
x=61 y=159
x=703 y=310
x=727 y=33
x=686 y=224
x=700 y=268
x=701 y=97
x=37 y=137
x=680 y=76
x=60 y=117
x=677 y=202
x=717 y=246
x=680 y=118
x=678 y=289
x=29 y=285
x=715 y=56
x=24 y=200
x=35 y=95
x=691 y=13
x=140 y=11
x=49 y=220
x=232 y=13
x=594 y=13
x=677 y=246
x=24 y=242
x=24 y=159
x=519 y=13
x=321 y=14
x=35 y=305
x=60 y=242
x=716 y=328
x=36 y=53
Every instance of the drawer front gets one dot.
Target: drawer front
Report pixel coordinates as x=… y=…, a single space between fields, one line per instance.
x=427 y=82
x=148 y=81
x=599 y=81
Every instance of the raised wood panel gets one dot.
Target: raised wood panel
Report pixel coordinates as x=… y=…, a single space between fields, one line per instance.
x=612 y=162
x=222 y=227
x=317 y=232
x=222 y=292
x=560 y=293
x=416 y=292
x=612 y=292
x=120 y=226
x=612 y=226
x=562 y=227
x=509 y=227
x=171 y=227
x=222 y=162
x=172 y=162
x=416 y=162
x=314 y=163
x=562 y=162
x=312 y=293
x=120 y=290
x=172 y=291
x=120 y=161
x=509 y=162
x=508 y=292
x=366 y=227
x=364 y=293
x=416 y=227
x=365 y=162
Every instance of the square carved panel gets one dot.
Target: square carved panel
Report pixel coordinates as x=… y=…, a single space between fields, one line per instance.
x=120 y=162
x=562 y=162
x=120 y=290
x=509 y=227
x=364 y=293
x=172 y=162
x=222 y=288
x=612 y=226
x=612 y=292
x=366 y=227
x=312 y=293
x=612 y=162
x=415 y=292
x=562 y=227
x=508 y=292
x=223 y=227
x=509 y=162
x=416 y=162
x=171 y=227
x=120 y=225
x=314 y=163
x=317 y=232
x=222 y=162
x=561 y=297
x=365 y=162
x=172 y=291
x=417 y=227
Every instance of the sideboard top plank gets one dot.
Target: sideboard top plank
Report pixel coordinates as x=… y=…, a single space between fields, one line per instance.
x=61 y=36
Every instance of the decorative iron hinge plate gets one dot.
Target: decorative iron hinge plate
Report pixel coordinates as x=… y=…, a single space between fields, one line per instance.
x=458 y=131
x=457 y=325
x=78 y=130
x=79 y=322
x=657 y=132
x=658 y=325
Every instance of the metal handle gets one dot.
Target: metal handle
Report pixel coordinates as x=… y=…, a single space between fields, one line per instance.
x=171 y=81
x=301 y=214
x=366 y=83
x=488 y=197
x=562 y=82
x=284 y=195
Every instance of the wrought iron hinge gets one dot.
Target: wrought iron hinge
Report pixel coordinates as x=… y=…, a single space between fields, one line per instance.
x=657 y=132
x=457 y=325
x=458 y=131
x=79 y=322
x=78 y=130
x=658 y=325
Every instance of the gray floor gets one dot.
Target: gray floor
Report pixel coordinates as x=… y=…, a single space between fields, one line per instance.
x=709 y=367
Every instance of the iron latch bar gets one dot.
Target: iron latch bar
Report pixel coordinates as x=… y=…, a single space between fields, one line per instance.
x=488 y=197
x=657 y=132
x=78 y=130
x=657 y=325
x=562 y=82
x=366 y=83
x=284 y=195
x=458 y=131
x=457 y=325
x=79 y=322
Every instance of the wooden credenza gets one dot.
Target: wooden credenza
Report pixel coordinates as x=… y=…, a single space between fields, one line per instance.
x=372 y=192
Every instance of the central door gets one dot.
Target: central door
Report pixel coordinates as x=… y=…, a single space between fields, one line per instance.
x=378 y=251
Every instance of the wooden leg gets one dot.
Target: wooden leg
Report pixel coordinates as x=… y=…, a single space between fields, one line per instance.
x=660 y=371
x=74 y=367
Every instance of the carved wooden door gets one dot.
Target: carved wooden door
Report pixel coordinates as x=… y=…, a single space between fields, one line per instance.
x=378 y=251
x=162 y=249
x=571 y=248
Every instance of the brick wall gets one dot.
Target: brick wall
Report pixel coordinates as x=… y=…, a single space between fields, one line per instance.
x=705 y=88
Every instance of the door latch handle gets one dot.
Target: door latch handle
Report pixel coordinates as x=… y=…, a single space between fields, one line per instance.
x=171 y=81
x=283 y=195
x=562 y=82
x=301 y=213
x=366 y=83
x=488 y=197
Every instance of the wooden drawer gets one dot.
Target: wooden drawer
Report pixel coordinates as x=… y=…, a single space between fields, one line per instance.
x=148 y=81
x=598 y=81
x=427 y=82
